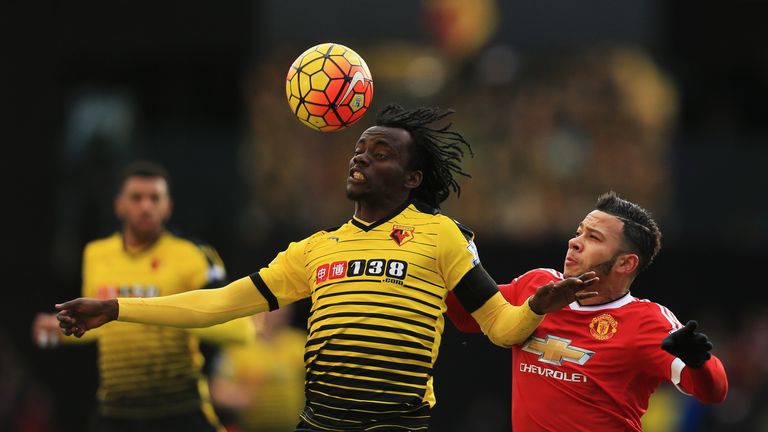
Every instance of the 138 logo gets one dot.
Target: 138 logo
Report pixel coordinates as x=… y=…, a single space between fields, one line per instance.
x=396 y=269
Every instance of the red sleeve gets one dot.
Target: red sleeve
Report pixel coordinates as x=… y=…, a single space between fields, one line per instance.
x=459 y=316
x=708 y=384
x=516 y=292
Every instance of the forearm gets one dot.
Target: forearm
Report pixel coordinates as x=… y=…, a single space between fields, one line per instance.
x=238 y=331
x=505 y=324
x=708 y=384
x=198 y=308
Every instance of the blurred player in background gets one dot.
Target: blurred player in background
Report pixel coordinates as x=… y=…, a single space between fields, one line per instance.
x=594 y=364
x=259 y=386
x=378 y=284
x=150 y=376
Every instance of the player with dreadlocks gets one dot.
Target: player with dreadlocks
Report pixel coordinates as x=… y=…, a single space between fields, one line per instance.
x=378 y=284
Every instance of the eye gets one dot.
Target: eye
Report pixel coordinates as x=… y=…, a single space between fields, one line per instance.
x=380 y=156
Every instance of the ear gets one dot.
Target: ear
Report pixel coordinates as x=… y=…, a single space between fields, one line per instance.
x=413 y=179
x=627 y=263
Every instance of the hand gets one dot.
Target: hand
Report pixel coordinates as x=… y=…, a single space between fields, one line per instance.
x=554 y=295
x=45 y=330
x=688 y=345
x=83 y=314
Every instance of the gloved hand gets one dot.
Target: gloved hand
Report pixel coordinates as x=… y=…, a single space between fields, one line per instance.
x=688 y=345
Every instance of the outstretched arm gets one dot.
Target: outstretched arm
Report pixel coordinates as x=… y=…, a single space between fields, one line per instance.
x=197 y=308
x=703 y=375
x=505 y=324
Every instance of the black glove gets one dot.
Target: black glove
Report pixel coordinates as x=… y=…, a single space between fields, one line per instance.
x=688 y=345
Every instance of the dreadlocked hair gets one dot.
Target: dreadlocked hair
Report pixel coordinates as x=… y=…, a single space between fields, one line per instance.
x=436 y=152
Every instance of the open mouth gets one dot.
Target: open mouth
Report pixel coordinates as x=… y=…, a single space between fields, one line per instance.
x=356 y=175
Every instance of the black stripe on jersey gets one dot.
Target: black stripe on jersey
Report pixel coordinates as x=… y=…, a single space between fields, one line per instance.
x=264 y=290
x=414 y=418
x=475 y=288
x=361 y=396
x=379 y=250
x=365 y=361
x=425 y=291
x=423 y=268
x=373 y=386
x=386 y=218
x=373 y=315
x=363 y=326
x=381 y=293
x=386 y=305
x=372 y=351
x=372 y=339
x=419 y=380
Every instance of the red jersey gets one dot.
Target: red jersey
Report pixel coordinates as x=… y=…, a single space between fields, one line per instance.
x=589 y=368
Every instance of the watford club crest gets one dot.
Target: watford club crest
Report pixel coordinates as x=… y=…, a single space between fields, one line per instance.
x=401 y=234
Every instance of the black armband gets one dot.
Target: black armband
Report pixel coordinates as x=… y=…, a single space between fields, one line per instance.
x=475 y=288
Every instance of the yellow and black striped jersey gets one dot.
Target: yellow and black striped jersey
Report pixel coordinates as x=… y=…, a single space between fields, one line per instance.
x=145 y=370
x=378 y=297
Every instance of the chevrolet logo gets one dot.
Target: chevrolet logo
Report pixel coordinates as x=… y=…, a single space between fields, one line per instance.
x=555 y=350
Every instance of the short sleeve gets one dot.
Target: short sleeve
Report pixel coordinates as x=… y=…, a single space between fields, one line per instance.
x=456 y=253
x=286 y=278
x=208 y=269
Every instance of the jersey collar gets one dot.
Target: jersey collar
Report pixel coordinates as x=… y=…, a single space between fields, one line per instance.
x=367 y=227
x=614 y=304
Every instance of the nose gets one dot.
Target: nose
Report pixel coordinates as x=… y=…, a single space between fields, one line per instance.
x=575 y=243
x=360 y=159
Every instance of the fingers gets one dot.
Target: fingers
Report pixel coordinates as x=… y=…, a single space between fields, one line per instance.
x=585 y=295
x=690 y=328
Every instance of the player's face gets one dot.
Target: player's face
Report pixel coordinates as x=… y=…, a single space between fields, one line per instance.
x=143 y=205
x=596 y=245
x=377 y=170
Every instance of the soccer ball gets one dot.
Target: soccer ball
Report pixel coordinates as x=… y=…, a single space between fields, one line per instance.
x=329 y=87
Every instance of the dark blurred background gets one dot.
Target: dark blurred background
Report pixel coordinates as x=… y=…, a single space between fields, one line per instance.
x=660 y=101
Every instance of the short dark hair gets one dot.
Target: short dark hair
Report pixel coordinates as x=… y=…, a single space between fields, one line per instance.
x=436 y=152
x=641 y=233
x=143 y=168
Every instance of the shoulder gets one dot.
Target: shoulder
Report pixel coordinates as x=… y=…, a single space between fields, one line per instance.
x=539 y=276
x=108 y=244
x=197 y=252
x=655 y=315
x=528 y=282
x=444 y=222
x=186 y=244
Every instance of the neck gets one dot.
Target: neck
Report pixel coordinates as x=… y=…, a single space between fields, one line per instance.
x=373 y=211
x=136 y=241
x=607 y=291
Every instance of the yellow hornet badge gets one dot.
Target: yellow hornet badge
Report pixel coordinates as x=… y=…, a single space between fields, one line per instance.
x=401 y=234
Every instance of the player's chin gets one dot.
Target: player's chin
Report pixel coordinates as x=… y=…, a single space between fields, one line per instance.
x=355 y=192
